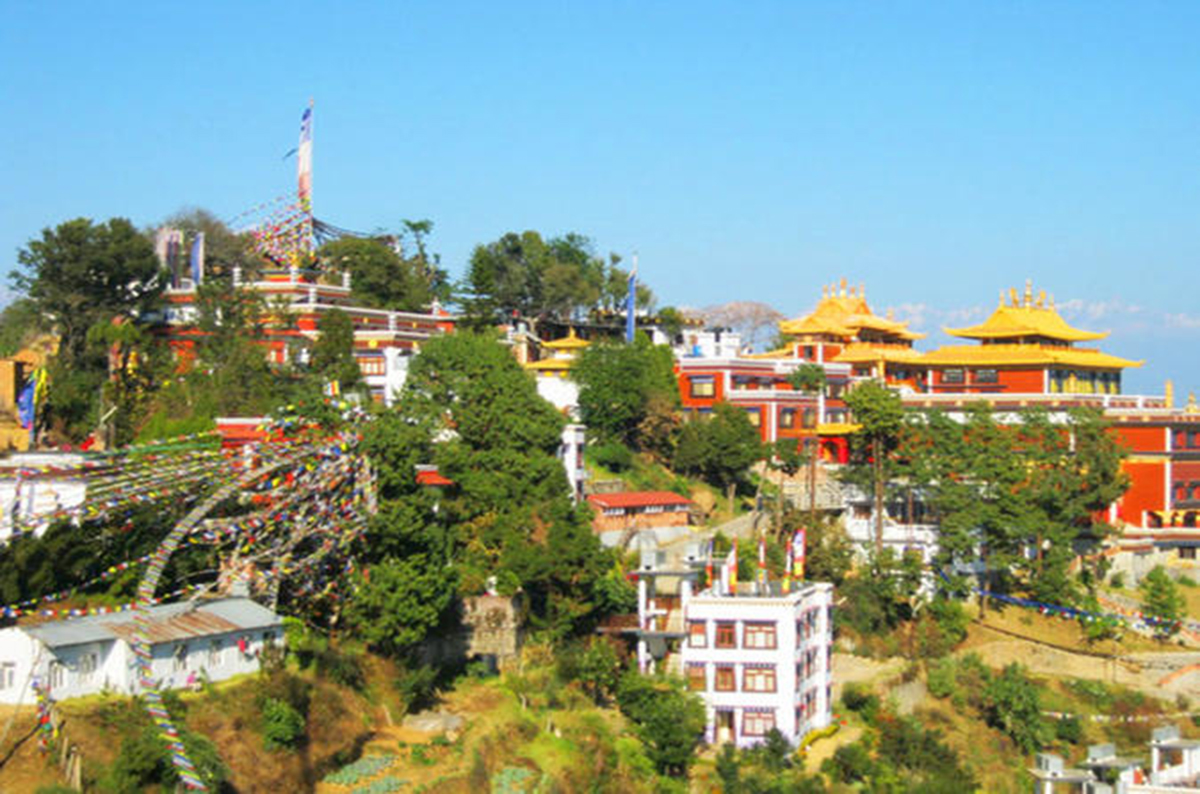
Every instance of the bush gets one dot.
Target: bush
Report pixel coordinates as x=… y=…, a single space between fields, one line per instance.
x=1013 y=705
x=613 y=456
x=860 y=699
x=1069 y=729
x=942 y=678
x=282 y=725
x=1117 y=580
x=850 y=763
x=341 y=666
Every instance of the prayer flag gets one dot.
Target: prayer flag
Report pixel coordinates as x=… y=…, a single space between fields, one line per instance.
x=304 y=158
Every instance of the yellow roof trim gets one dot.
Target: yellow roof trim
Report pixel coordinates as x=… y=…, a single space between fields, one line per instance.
x=837 y=428
x=551 y=364
x=1022 y=355
x=1017 y=321
x=866 y=353
x=569 y=342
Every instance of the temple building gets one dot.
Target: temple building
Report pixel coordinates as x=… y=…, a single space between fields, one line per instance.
x=1025 y=347
x=295 y=299
x=552 y=371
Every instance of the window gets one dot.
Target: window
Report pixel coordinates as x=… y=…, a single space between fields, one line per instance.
x=8 y=675
x=755 y=415
x=758 y=635
x=726 y=681
x=758 y=679
x=214 y=653
x=987 y=376
x=179 y=657
x=696 y=679
x=1185 y=553
x=726 y=635
x=702 y=387
x=952 y=376
x=757 y=723
x=58 y=675
x=697 y=634
x=787 y=418
x=87 y=665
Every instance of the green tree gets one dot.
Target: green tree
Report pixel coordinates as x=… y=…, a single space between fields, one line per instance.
x=1013 y=705
x=20 y=323
x=668 y=720
x=808 y=378
x=880 y=415
x=379 y=276
x=628 y=393
x=509 y=510
x=333 y=354
x=720 y=449
x=397 y=602
x=528 y=276
x=1163 y=601
x=79 y=275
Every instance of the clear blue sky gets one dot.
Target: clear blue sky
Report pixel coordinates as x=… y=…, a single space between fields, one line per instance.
x=754 y=151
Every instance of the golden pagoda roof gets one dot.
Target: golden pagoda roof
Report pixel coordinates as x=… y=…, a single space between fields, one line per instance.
x=845 y=313
x=867 y=353
x=569 y=342
x=1000 y=355
x=1025 y=318
x=551 y=365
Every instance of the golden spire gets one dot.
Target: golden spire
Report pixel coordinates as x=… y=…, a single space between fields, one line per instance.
x=891 y=313
x=1169 y=393
x=842 y=291
x=1028 y=292
x=1012 y=297
x=852 y=292
x=824 y=291
x=862 y=290
x=1041 y=298
x=1001 y=298
x=1192 y=408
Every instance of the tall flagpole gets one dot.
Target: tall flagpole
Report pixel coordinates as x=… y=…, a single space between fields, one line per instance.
x=630 y=324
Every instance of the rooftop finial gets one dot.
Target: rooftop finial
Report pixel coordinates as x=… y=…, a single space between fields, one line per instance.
x=1012 y=297
x=842 y=291
x=1041 y=298
x=891 y=313
x=1192 y=408
x=1169 y=393
x=824 y=290
x=1028 y=292
x=1002 y=297
x=853 y=293
x=862 y=290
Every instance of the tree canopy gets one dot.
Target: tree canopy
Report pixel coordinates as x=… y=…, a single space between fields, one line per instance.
x=379 y=276
x=529 y=276
x=622 y=386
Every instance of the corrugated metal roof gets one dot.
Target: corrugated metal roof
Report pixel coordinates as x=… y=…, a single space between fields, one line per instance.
x=168 y=622
x=638 y=499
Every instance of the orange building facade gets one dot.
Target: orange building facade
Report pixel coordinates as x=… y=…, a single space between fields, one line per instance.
x=295 y=299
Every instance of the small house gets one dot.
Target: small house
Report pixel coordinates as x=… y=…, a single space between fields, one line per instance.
x=190 y=640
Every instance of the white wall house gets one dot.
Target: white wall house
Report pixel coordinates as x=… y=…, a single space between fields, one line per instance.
x=37 y=486
x=570 y=452
x=760 y=661
x=215 y=639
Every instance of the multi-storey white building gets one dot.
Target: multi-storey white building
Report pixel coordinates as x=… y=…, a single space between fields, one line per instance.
x=760 y=660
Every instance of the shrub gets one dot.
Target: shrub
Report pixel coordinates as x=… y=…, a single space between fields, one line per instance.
x=942 y=678
x=1013 y=705
x=1069 y=729
x=282 y=725
x=613 y=456
x=860 y=699
x=850 y=763
x=341 y=666
x=1117 y=580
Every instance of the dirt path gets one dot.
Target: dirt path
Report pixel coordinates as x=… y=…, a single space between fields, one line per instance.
x=1159 y=674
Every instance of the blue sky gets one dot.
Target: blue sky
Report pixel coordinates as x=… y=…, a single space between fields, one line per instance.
x=937 y=152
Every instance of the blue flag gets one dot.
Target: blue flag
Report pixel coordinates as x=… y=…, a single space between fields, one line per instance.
x=25 y=404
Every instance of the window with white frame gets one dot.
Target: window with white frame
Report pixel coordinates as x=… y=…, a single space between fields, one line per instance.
x=758 y=635
x=8 y=675
x=757 y=723
x=58 y=675
x=87 y=665
x=702 y=386
x=758 y=679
